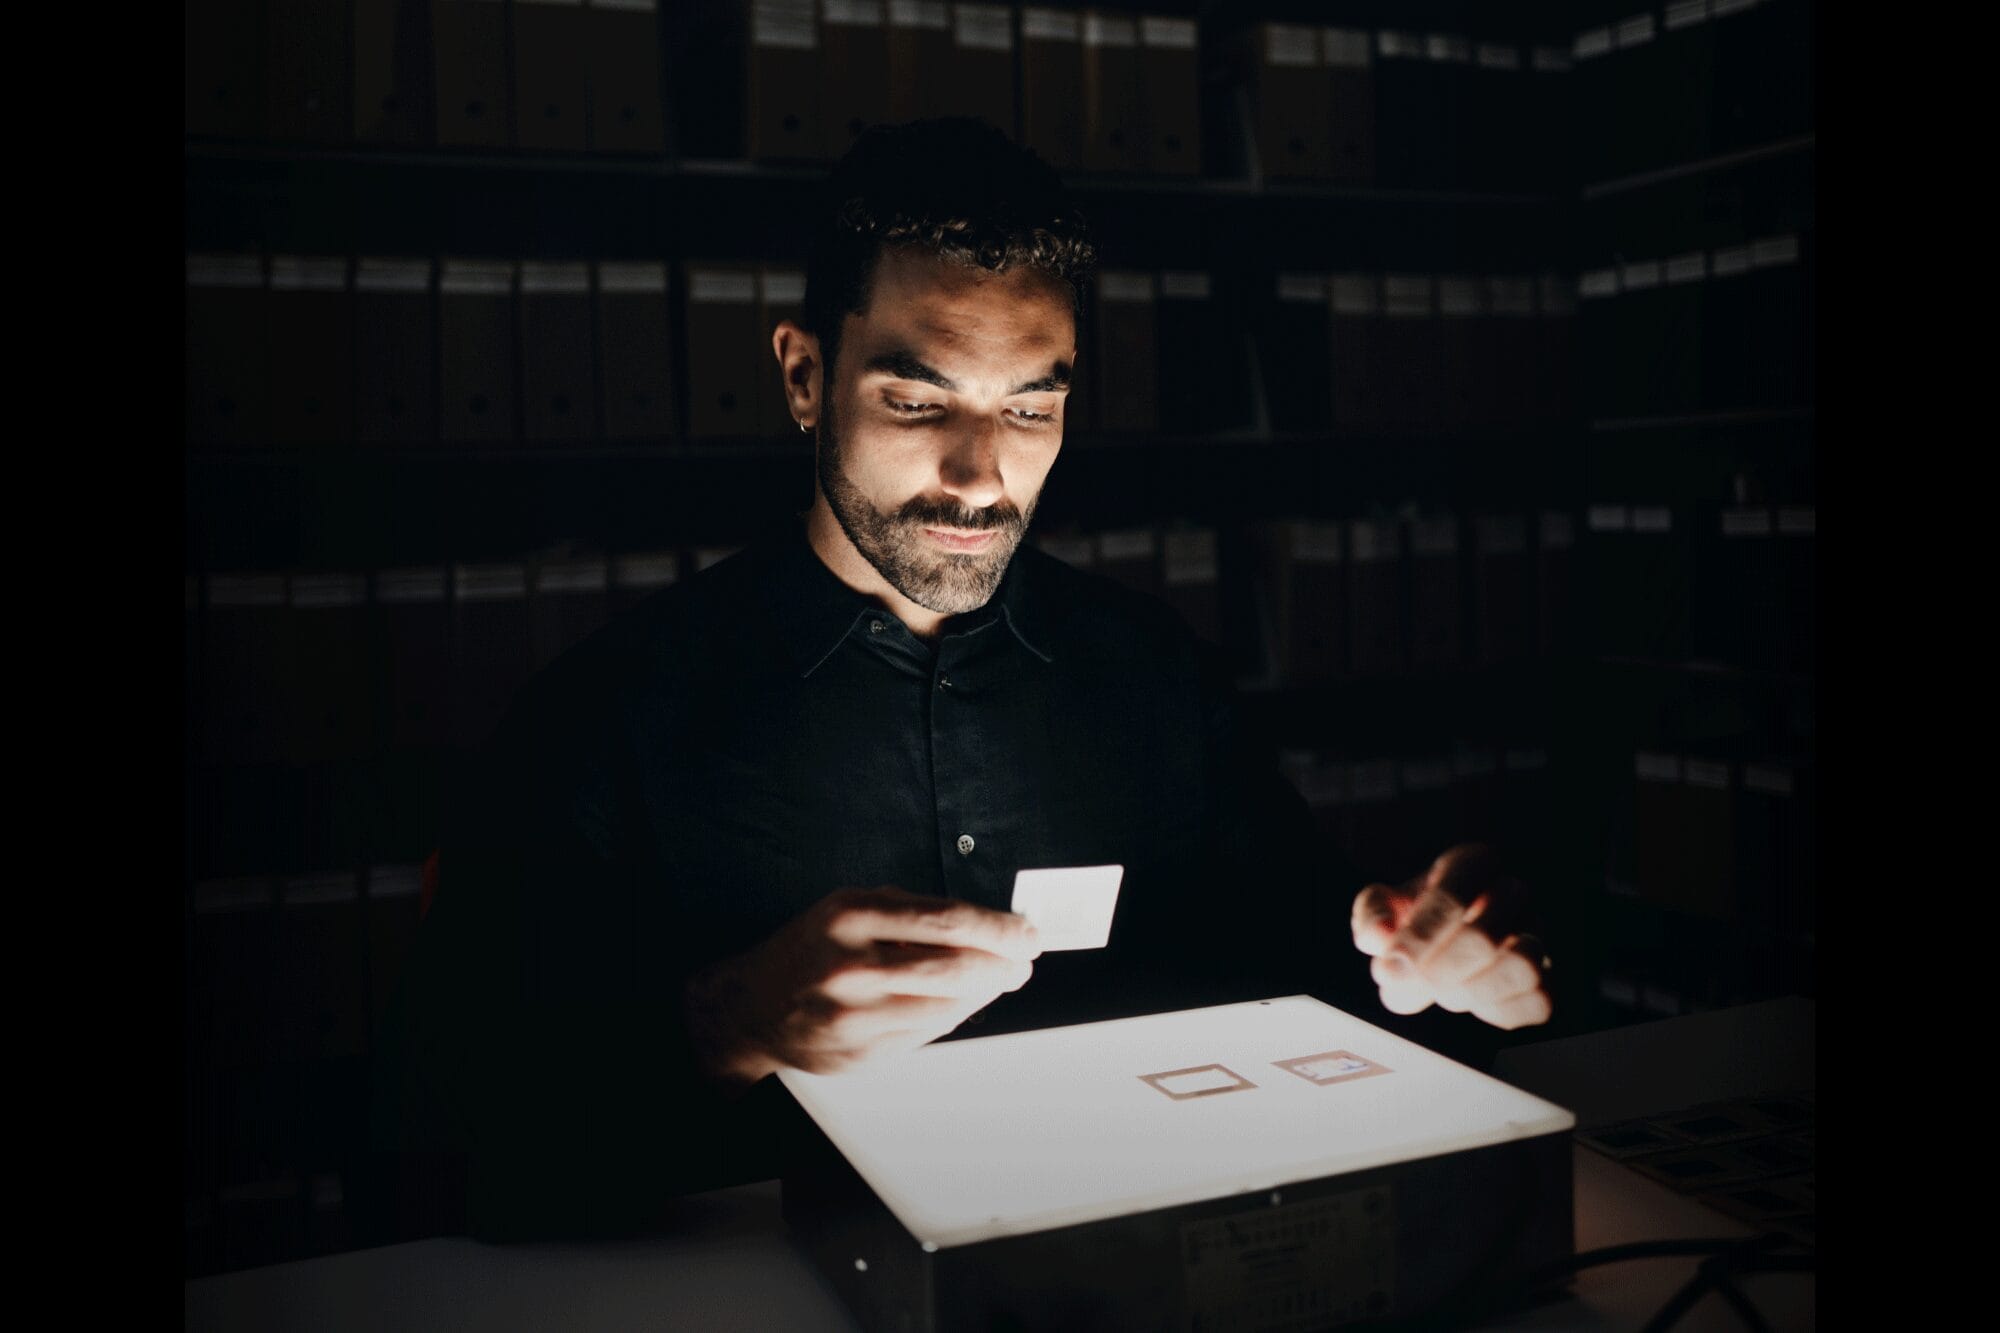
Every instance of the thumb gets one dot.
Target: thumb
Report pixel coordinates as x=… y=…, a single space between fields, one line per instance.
x=1379 y=911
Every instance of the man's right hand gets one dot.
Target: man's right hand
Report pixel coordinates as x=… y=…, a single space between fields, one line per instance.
x=862 y=973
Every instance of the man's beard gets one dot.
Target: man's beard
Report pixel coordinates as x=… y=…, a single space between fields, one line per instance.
x=947 y=582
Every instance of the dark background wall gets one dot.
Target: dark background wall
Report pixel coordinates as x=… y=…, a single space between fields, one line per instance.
x=1452 y=367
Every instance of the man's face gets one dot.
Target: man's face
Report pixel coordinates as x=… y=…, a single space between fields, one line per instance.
x=942 y=422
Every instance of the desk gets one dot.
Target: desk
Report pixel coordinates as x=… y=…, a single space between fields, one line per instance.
x=722 y=1260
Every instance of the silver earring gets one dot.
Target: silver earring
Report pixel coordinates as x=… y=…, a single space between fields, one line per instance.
x=804 y=429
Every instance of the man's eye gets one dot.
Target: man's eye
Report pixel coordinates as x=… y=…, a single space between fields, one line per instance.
x=909 y=409
x=1034 y=418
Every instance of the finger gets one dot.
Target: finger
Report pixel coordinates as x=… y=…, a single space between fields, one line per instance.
x=1516 y=1012
x=891 y=914
x=894 y=1020
x=1374 y=919
x=889 y=968
x=1405 y=998
x=1466 y=951
x=1433 y=918
x=1508 y=974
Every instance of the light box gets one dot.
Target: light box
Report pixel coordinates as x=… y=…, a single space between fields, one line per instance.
x=1273 y=1164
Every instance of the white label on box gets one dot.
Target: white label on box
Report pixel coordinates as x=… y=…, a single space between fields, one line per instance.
x=1639 y=276
x=1077 y=551
x=1070 y=907
x=1474 y=764
x=392 y=275
x=1608 y=518
x=573 y=576
x=1406 y=295
x=1550 y=60
x=232 y=895
x=622 y=277
x=930 y=14
x=1434 y=536
x=1124 y=286
x=543 y=279
x=1746 y=522
x=395 y=881
x=1558 y=294
x=1373 y=541
x=490 y=583
x=1492 y=55
x=1302 y=287
x=1426 y=774
x=1768 y=779
x=1404 y=45
x=1345 y=48
x=1730 y=261
x=1168 y=33
x=1448 y=48
x=1774 y=250
x=225 y=271
x=1317 y=544
x=707 y=556
x=1109 y=30
x=1591 y=43
x=295 y=273
x=1289 y=44
x=1558 y=530
x=1127 y=544
x=1513 y=297
x=1635 y=31
x=1657 y=767
x=1184 y=285
x=1187 y=559
x=1357 y=294
x=854 y=13
x=1652 y=518
x=1685 y=14
x=1050 y=25
x=316 y=590
x=1597 y=283
x=400 y=587
x=710 y=286
x=1690 y=267
x=983 y=27
x=1707 y=774
x=476 y=277
x=1372 y=780
x=1796 y=520
x=652 y=569
x=246 y=590
x=1460 y=297
x=1501 y=534
x=784 y=23
x=1525 y=761
x=782 y=286
x=334 y=887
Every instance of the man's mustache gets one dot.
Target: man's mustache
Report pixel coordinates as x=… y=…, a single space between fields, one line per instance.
x=932 y=513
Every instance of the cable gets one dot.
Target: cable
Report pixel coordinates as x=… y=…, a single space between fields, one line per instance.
x=1715 y=1274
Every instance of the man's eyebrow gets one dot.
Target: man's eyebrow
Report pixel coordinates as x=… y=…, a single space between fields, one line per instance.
x=904 y=365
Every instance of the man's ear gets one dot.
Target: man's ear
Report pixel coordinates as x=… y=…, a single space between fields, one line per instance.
x=799 y=363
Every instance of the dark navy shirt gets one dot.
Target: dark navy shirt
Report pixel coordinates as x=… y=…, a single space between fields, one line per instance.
x=743 y=743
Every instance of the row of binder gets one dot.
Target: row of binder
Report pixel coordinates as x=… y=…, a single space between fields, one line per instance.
x=1688 y=80
x=545 y=76
x=1721 y=329
x=294 y=351
x=1722 y=839
x=309 y=666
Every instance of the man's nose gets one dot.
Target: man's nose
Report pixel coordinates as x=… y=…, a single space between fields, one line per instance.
x=969 y=471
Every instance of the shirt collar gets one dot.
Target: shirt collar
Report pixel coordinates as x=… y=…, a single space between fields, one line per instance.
x=813 y=612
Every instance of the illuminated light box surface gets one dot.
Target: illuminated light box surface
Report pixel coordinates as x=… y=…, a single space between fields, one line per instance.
x=965 y=1144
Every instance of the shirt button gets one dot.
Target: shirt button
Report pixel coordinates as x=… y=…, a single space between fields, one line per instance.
x=944 y=682
x=874 y=627
x=965 y=844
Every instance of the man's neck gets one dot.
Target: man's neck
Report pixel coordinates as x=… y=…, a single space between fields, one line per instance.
x=837 y=552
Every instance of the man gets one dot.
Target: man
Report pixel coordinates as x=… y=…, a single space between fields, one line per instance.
x=772 y=818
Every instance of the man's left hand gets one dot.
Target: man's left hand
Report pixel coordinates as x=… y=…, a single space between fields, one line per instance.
x=1432 y=944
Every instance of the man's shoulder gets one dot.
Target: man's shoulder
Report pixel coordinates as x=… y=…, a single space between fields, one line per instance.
x=1101 y=618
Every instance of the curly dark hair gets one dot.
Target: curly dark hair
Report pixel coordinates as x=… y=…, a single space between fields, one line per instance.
x=954 y=186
